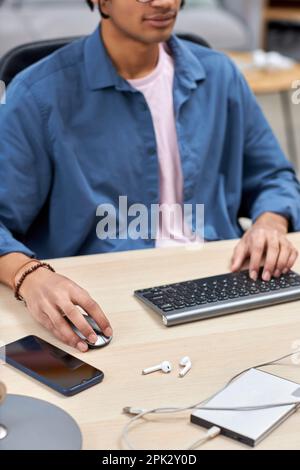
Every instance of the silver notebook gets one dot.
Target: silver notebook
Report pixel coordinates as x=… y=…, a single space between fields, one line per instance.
x=253 y=388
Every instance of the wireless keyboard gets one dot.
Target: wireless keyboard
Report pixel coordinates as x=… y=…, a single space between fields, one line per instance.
x=218 y=295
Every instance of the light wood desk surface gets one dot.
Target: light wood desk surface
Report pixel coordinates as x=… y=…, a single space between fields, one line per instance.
x=219 y=348
x=264 y=82
x=282 y=14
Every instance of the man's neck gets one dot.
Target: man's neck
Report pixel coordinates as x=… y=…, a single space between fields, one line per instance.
x=133 y=59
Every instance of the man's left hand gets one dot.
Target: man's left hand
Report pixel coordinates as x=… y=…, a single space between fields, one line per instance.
x=265 y=243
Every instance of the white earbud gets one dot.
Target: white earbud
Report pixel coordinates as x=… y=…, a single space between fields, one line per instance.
x=186 y=363
x=165 y=366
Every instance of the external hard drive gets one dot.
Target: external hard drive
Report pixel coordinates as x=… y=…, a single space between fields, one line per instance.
x=253 y=388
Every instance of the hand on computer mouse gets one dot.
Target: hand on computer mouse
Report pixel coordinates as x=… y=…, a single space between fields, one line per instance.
x=102 y=339
x=50 y=296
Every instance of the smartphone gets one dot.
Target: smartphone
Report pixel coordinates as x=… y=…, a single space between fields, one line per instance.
x=50 y=365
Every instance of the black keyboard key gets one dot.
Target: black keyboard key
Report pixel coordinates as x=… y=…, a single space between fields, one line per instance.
x=166 y=306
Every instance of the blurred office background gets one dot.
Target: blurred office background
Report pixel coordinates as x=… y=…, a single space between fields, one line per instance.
x=230 y=25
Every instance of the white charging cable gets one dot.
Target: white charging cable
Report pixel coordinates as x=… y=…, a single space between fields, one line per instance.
x=211 y=434
x=138 y=413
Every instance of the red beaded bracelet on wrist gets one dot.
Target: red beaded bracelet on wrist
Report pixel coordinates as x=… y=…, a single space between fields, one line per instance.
x=25 y=274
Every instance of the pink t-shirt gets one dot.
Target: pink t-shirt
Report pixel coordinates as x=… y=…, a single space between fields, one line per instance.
x=157 y=88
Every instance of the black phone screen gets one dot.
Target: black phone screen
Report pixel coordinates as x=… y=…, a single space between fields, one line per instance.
x=53 y=365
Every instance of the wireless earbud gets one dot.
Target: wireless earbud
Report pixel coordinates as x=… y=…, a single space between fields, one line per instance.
x=186 y=363
x=165 y=366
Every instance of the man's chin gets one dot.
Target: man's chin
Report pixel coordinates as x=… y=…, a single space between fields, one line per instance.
x=157 y=36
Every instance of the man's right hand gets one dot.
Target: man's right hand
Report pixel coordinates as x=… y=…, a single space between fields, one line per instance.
x=49 y=296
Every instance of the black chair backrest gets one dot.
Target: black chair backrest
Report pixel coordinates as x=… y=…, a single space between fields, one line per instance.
x=21 y=57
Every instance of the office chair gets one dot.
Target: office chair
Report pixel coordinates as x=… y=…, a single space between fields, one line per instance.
x=21 y=57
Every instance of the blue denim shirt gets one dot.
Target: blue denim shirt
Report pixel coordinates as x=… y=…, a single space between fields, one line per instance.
x=74 y=135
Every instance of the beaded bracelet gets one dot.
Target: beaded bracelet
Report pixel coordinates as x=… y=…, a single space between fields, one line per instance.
x=25 y=274
x=32 y=260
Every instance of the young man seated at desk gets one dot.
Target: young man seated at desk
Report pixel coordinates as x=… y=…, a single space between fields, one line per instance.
x=133 y=110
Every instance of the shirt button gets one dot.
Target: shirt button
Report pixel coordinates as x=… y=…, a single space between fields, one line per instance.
x=151 y=151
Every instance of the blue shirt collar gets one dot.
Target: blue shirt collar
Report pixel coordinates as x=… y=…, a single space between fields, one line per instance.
x=101 y=72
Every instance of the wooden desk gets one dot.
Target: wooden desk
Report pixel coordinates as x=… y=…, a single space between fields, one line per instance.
x=282 y=14
x=219 y=348
x=268 y=82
